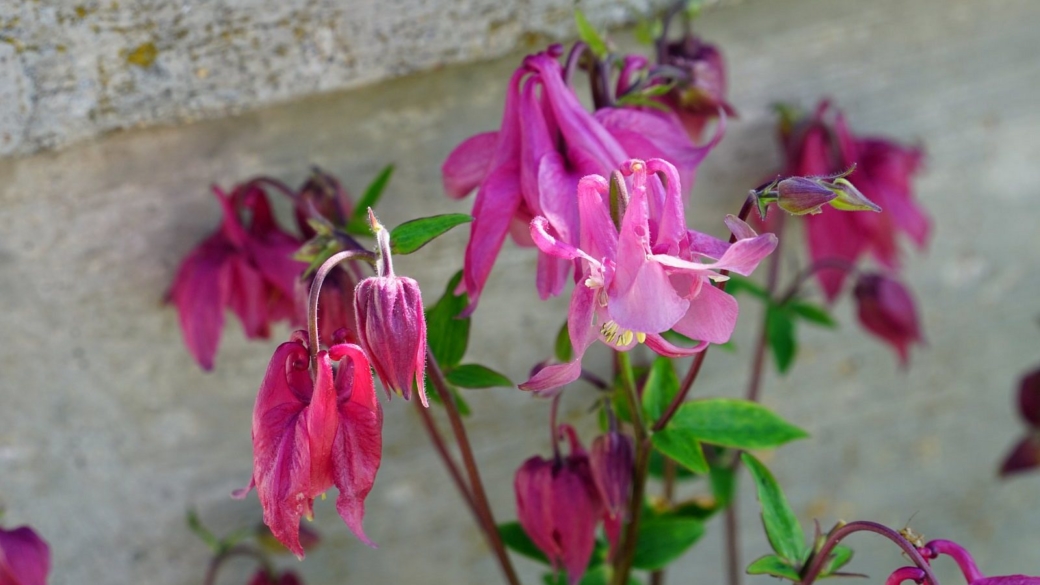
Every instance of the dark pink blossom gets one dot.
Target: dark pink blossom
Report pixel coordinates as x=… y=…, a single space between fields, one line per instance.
x=886 y=309
x=531 y=165
x=824 y=145
x=558 y=506
x=1025 y=455
x=310 y=433
x=391 y=323
x=971 y=572
x=649 y=275
x=245 y=266
x=701 y=94
x=612 y=461
x=25 y=558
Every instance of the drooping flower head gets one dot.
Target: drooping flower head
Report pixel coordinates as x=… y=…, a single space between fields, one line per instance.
x=824 y=145
x=245 y=266
x=699 y=96
x=25 y=558
x=647 y=275
x=262 y=577
x=886 y=309
x=391 y=323
x=311 y=432
x=558 y=506
x=531 y=166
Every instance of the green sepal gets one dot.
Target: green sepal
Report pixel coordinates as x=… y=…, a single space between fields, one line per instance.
x=590 y=35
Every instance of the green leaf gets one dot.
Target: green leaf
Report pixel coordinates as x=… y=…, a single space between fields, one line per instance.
x=663 y=539
x=447 y=335
x=657 y=461
x=590 y=35
x=739 y=424
x=638 y=99
x=840 y=556
x=683 y=448
x=738 y=284
x=358 y=223
x=412 y=235
x=477 y=376
x=782 y=527
x=662 y=385
x=780 y=335
x=723 y=484
x=812 y=313
x=564 y=350
x=775 y=566
x=515 y=539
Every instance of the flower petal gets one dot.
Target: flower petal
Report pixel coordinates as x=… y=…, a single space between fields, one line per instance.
x=712 y=316
x=468 y=164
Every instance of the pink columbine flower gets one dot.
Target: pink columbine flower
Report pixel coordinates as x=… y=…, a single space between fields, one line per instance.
x=391 y=323
x=246 y=266
x=310 y=433
x=971 y=572
x=25 y=558
x=558 y=506
x=531 y=166
x=612 y=460
x=647 y=277
x=883 y=173
x=1026 y=454
x=887 y=310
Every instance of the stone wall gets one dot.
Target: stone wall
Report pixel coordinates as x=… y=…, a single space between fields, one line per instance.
x=109 y=432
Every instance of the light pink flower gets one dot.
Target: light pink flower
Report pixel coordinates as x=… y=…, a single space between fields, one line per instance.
x=531 y=166
x=312 y=433
x=650 y=275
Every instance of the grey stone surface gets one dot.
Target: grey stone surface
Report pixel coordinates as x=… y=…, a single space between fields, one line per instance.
x=108 y=431
x=79 y=68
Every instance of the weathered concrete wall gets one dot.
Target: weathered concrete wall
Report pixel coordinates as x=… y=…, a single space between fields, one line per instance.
x=75 y=69
x=108 y=431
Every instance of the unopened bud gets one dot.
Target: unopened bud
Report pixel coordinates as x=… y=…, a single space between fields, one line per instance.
x=887 y=310
x=612 y=461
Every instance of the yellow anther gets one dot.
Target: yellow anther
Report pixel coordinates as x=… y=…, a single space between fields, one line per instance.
x=626 y=337
x=641 y=337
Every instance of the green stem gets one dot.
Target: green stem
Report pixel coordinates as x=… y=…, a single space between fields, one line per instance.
x=469 y=461
x=627 y=549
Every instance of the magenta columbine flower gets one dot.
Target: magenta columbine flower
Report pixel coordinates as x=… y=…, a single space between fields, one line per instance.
x=884 y=169
x=971 y=572
x=25 y=558
x=558 y=506
x=886 y=309
x=391 y=322
x=651 y=275
x=245 y=266
x=313 y=432
x=1026 y=454
x=531 y=166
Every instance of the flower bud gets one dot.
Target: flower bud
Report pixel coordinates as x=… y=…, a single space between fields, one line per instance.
x=612 y=461
x=1029 y=398
x=803 y=195
x=323 y=195
x=262 y=577
x=887 y=310
x=391 y=324
x=558 y=507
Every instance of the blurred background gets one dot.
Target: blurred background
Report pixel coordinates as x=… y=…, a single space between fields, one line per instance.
x=109 y=432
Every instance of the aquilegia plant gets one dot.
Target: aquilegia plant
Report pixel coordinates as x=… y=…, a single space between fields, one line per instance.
x=601 y=195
